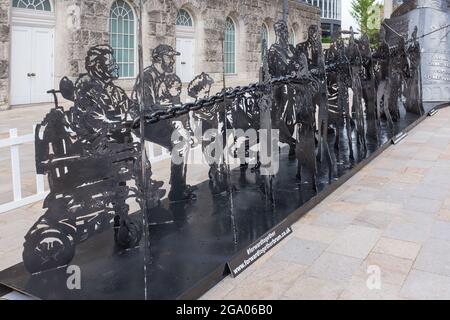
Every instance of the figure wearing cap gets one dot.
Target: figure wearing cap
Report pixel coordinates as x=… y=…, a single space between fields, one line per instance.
x=162 y=88
x=163 y=63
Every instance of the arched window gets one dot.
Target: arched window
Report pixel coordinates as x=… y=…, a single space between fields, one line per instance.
x=184 y=19
x=122 y=37
x=292 y=37
x=43 y=5
x=229 y=47
x=264 y=39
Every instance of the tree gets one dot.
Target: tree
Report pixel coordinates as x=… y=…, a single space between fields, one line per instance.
x=368 y=15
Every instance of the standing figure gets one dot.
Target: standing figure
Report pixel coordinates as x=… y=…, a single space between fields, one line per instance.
x=281 y=63
x=331 y=60
x=355 y=58
x=398 y=72
x=208 y=119
x=344 y=81
x=312 y=49
x=368 y=85
x=162 y=89
x=382 y=58
x=414 y=82
x=305 y=108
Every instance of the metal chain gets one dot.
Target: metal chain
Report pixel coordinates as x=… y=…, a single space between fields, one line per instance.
x=233 y=93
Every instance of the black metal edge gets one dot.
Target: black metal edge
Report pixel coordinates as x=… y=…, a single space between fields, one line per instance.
x=9 y=289
x=4 y=290
x=219 y=274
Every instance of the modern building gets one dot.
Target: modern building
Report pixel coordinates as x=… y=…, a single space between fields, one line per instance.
x=44 y=40
x=390 y=6
x=330 y=15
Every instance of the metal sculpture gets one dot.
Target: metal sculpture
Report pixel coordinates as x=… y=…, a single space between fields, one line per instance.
x=161 y=90
x=89 y=155
x=312 y=48
x=208 y=119
x=413 y=88
x=382 y=57
x=90 y=151
x=368 y=86
x=398 y=73
x=355 y=58
x=281 y=57
x=343 y=76
x=305 y=111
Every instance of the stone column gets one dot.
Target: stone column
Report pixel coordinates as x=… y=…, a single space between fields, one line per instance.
x=5 y=13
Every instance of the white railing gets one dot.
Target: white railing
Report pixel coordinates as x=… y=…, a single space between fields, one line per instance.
x=14 y=141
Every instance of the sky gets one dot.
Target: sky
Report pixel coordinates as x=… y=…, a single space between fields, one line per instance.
x=347 y=19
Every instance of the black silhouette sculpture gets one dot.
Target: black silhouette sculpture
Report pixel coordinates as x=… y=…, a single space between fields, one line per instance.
x=92 y=160
x=382 y=57
x=343 y=76
x=368 y=85
x=162 y=89
x=305 y=111
x=355 y=58
x=89 y=155
x=398 y=73
x=413 y=90
x=282 y=62
x=209 y=119
x=312 y=48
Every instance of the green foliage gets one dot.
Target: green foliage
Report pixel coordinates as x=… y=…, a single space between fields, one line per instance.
x=368 y=18
x=326 y=39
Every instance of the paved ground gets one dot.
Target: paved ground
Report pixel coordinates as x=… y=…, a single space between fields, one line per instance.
x=393 y=216
x=392 y=219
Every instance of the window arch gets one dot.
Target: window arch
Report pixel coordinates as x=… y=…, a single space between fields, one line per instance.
x=122 y=39
x=184 y=19
x=42 y=5
x=264 y=39
x=292 y=39
x=229 y=48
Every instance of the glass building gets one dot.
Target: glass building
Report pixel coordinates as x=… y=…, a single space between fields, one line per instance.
x=330 y=15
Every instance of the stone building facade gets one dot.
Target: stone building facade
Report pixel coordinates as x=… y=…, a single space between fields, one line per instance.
x=79 y=24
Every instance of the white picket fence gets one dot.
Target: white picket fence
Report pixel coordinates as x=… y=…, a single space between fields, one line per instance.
x=14 y=142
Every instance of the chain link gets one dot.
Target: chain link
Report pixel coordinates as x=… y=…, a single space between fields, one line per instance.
x=220 y=97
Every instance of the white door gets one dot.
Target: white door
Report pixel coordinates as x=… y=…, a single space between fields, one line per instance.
x=185 y=61
x=31 y=64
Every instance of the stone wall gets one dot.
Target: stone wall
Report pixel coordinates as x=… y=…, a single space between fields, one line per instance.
x=4 y=53
x=209 y=18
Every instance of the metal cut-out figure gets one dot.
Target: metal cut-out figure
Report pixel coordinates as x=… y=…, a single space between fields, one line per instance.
x=382 y=56
x=208 y=119
x=398 y=73
x=355 y=58
x=281 y=63
x=312 y=49
x=414 y=82
x=305 y=111
x=368 y=85
x=162 y=89
x=344 y=82
x=89 y=155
